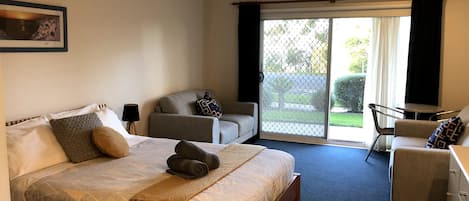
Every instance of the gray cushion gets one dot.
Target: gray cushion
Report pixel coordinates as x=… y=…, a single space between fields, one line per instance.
x=182 y=102
x=74 y=134
x=245 y=122
x=228 y=132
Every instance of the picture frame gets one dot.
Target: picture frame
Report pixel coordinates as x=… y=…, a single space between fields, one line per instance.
x=32 y=27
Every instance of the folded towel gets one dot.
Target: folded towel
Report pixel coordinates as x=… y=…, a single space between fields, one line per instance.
x=191 y=151
x=186 y=168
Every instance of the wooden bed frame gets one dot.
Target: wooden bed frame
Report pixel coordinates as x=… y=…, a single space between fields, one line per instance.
x=291 y=193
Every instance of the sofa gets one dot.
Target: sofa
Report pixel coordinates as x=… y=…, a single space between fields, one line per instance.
x=418 y=173
x=176 y=117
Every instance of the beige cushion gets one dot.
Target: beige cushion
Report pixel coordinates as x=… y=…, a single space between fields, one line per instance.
x=464 y=139
x=464 y=114
x=408 y=142
x=110 y=142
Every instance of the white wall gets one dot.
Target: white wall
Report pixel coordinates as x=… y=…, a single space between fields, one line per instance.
x=221 y=56
x=4 y=183
x=120 y=52
x=455 y=60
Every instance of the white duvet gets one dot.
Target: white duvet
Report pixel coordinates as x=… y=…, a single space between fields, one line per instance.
x=262 y=178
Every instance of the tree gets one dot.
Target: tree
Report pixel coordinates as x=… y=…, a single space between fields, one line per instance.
x=273 y=63
x=298 y=59
x=319 y=46
x=357 y=48
x=281 y=85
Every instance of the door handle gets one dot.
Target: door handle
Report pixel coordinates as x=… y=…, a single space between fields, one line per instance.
x=261 y=77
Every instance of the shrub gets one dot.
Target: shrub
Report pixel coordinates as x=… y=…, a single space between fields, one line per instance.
x=318 y=100
x=349 y=89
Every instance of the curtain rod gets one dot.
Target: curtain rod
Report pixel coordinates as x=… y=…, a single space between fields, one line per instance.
x=278 y=2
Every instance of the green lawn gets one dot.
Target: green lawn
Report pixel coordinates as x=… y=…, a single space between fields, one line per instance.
x=294 y=98
x=336 y=119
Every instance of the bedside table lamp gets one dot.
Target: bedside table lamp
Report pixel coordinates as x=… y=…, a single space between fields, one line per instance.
x=130 y=115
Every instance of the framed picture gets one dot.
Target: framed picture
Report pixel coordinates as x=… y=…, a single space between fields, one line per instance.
x=30 y=27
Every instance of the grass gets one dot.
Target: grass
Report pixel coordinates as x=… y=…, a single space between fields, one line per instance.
x=335 y=118
x=294 y=98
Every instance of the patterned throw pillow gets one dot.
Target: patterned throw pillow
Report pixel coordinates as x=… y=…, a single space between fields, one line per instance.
x=447 y=133
x=74 y=134
x=208 y=106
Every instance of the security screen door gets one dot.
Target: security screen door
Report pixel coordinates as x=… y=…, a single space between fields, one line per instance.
x=295 y=90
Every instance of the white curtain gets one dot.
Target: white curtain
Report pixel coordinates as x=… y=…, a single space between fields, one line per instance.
x=385 y=78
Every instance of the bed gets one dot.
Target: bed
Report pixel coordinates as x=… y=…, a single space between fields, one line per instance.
x=269 y=175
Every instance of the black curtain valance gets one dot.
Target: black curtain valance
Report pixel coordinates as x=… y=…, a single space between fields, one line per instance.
x=423 y=71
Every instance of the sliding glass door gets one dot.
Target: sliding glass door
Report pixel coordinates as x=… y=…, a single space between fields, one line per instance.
x=295 y=95
x=315 y=73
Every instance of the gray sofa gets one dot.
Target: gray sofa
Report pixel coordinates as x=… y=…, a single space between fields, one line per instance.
x=418 y=173
x=176 y=118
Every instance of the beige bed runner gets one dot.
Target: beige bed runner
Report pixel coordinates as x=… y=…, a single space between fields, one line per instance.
x=174 y=188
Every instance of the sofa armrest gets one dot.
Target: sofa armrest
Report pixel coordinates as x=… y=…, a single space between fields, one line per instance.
x=187 y=127
x=415 y=128
x=419 y=174
x=246 y=108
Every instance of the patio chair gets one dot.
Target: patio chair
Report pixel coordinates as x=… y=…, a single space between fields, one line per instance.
x=386 y=111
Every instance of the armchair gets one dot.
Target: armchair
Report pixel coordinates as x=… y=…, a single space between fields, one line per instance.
x=176 y=118
x=418 y=173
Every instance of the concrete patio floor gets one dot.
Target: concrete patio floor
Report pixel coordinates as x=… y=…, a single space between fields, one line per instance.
x=341 y=133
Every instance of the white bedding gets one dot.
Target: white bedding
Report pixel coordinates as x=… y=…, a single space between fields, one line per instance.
x=262 y=178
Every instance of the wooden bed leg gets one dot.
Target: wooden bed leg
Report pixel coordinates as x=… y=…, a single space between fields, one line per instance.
x=292 y=192
x=298 y=187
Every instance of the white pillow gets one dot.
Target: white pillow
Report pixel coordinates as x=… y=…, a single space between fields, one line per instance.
x=31 y=145
x=70 y=113
x=109 y=119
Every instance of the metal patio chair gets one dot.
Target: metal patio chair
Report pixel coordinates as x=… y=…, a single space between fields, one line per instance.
x=386 y=111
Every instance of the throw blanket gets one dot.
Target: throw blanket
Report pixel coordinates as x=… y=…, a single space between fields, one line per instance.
x=178 y=189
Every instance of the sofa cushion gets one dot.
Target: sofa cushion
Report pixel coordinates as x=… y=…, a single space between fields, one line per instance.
x=464 y=114
x=228 y=131
x=179 y=103
x=245 y=122
x=446 y=134
x=408 y=142
x=182 y=102
x=208 y=106
x=464 y=139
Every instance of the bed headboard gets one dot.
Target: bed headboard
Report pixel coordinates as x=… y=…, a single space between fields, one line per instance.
x=11 y=123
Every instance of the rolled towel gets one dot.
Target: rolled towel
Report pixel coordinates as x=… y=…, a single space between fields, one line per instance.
x=191 y=151
x=186 y=168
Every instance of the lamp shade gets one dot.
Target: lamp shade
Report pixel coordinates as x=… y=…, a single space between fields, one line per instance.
x=130 y=113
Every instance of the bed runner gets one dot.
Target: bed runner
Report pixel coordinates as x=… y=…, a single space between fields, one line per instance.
x=175 y=188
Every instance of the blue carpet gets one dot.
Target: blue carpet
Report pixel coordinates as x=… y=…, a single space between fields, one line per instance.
x=330 y=173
